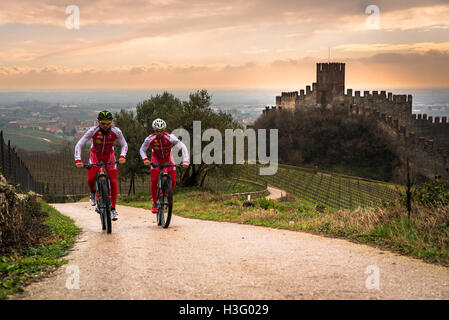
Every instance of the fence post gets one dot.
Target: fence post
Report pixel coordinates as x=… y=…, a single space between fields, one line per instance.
x=2 y=150
x=9 y=160
x=29 y=181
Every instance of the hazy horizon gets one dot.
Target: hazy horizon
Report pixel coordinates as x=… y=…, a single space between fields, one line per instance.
x=433 y=101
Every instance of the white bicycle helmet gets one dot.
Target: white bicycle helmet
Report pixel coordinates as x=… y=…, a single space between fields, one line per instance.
x=159 y=124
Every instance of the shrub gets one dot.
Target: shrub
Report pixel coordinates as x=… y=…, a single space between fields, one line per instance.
x=434 y=193
x=302 y=208
x=248 y=203
x=269 y=204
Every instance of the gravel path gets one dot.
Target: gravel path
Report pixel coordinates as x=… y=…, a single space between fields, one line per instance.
x=275 y=193
x=196 y=259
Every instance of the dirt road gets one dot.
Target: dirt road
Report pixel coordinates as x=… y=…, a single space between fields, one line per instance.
x=275 y=193
x=195 y=259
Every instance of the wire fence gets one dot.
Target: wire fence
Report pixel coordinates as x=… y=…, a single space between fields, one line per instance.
x=15 y=170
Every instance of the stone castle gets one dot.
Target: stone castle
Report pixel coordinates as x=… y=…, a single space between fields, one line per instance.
x=427 y=137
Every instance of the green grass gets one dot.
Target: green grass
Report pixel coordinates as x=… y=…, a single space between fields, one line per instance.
x=19 y=269
x=32 y=140
x=388 y=227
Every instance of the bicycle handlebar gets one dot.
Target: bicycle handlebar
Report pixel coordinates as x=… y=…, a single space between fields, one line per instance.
x=89 y=166
x=163 y=165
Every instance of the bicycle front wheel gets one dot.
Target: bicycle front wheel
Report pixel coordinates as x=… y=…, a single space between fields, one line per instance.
x=160 y=203
x=106 y=208
x=166 y=204
x=99 y=208
x=102 y=218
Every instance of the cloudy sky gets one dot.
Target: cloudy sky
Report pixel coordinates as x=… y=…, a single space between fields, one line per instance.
x=221 y=44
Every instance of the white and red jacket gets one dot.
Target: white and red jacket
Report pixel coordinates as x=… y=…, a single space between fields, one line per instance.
x=102 y=144
x=161 y=148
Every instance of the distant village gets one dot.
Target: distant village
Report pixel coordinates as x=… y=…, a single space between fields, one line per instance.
x=71 y=121
x=62 y=120
x=74 y=128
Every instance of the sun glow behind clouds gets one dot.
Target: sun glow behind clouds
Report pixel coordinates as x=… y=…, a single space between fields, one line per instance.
x=259 y=43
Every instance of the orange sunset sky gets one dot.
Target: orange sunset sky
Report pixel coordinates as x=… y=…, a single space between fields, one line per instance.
x=221 y=44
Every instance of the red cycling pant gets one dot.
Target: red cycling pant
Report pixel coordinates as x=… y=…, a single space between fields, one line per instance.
x=154 y=172
x=111 y=170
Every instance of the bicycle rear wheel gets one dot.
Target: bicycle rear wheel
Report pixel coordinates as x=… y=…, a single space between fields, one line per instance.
x=106 y=207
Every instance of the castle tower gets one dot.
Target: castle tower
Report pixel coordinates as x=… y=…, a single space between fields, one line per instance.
x=330 y=79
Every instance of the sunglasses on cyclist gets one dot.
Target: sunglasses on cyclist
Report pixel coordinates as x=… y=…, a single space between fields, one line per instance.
x=105 y=122
x=159 y=130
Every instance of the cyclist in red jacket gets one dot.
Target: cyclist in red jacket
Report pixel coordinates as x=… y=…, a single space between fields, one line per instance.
x=103 y=137
x=161 y=144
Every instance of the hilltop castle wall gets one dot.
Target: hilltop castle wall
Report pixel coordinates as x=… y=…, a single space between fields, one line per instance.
x=396 y=110
x=424 y=133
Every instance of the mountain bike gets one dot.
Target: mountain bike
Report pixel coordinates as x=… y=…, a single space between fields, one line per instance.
x=103 y=194
x=164 y=194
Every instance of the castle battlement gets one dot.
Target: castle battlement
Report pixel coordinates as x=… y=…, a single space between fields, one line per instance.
x=332 y=66
x=382 y=95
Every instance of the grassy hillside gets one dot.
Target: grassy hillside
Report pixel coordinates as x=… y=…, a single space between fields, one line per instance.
x=32 y=140
x=329 y=190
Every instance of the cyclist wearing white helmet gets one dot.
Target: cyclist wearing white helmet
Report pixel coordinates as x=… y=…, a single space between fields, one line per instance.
x=161 y=144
